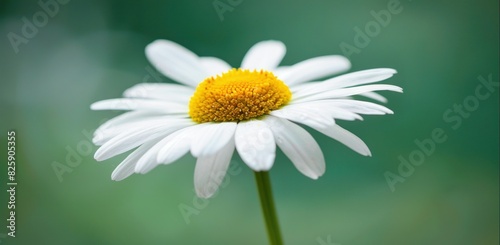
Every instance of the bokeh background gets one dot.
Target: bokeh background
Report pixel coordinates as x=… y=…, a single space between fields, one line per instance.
x=93 y=50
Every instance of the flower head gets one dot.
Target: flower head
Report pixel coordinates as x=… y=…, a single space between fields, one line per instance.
x=217 y=109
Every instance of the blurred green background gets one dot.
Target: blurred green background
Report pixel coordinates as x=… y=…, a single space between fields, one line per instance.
x=94 y=50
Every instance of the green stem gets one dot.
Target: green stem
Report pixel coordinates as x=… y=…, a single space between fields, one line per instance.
x=268 y=209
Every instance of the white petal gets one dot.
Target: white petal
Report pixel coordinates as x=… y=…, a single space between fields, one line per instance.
x=348 y=80
x=150 y=159
x=342 y=114
x=298 y=145
x=212 y=138
x=264 y=55
x=345 y=109
x=126 y=167
x=127 y=117
x=255 y=144
x=344 y=92
x=161 y=91
x=178 y=144
x=375 y=96
x=280 y=69
x=314 y=68
x=304 y=113
x=210 y=170
x=333 y=130
x=361 y=77
x=303 y=86
x=214 y=66
x=176 y=62
x=357 y=106
x=139 y=104
x=347 y=138
x=129 y=140
x=101 y=136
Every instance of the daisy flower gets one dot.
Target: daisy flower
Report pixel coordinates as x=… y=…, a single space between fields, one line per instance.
x=217 y=109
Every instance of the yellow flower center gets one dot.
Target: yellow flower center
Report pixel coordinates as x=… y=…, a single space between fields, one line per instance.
x=237 y=95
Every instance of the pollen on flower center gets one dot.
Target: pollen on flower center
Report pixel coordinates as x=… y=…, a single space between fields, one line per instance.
x=237 y=95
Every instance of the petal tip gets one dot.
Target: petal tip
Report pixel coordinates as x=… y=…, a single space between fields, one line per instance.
x=204 y=194
x=94 y=106
x=98 y=155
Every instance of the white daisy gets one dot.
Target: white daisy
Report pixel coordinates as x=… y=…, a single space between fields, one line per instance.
x=217 y=109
